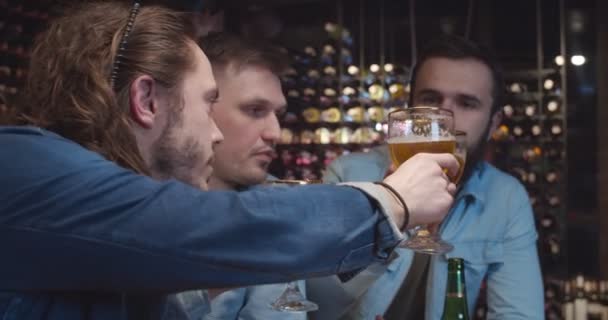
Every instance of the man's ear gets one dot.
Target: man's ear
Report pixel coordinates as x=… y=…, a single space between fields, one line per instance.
x=143 y=107
x=494 y=123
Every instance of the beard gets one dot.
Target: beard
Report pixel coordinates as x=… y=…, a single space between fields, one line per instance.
x=475 y=155
x=174 y=158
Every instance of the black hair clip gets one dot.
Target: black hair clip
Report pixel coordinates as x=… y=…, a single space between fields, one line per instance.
x=123 y=43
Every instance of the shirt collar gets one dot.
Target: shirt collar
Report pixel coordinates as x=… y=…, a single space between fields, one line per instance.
x=472 y=190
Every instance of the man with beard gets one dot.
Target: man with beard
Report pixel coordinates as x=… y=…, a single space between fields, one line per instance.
x=93 y=224
x=491 y=224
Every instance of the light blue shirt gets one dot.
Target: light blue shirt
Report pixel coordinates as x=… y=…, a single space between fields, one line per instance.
x=491 y=226
x=251 y=303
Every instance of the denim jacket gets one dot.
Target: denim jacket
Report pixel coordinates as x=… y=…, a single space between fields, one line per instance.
x=82 y=238
x=491 y=226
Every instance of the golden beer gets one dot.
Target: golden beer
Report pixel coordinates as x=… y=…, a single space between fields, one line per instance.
x=402 y=150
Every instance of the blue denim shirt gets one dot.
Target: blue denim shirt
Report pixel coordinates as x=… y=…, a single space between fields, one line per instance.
x=491 y=226
x=84 y=239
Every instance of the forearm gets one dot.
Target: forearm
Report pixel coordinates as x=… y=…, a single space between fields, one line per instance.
x=169 y=244
x=95 y=226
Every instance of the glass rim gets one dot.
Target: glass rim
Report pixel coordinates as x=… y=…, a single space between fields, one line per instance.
x=293 y=181
x=441 y=110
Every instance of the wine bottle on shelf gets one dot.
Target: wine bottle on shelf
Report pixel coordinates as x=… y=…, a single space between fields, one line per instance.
x=508 y=110
x=532 y=154
x=349 y=94
x=518 y=130
x=455 y=306
x=554 y=151
x=568 y=301
x=530 y=109
x=548 y=222
x=555 y=127
x=501 y=133
x=536 y=129
x=604 y=299
x=517 y=88
x=552 y=176
x=580 y=300
x=594 y=308
x=553 y=199
x=553 y=106
x=551 y=84
x=552 y=307
x=329 y=94
x=352 y=70
x=552 y=246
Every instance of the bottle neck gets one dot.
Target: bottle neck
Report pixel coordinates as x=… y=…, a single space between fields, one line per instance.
x=455 y=306
x=456 y=284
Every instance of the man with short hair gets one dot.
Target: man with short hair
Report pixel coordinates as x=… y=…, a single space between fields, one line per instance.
x=247 y=73
x=491 y=224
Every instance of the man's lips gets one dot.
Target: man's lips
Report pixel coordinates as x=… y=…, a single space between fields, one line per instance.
x=270 y=154
x=265 y=155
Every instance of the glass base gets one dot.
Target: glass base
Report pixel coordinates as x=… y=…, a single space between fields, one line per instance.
x=425 y=242
x=292 y=301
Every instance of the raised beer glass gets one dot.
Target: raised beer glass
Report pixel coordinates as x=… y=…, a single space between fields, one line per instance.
x=292 y=300
x=416 y=130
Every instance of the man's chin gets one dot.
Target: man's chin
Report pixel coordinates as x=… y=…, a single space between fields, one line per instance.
x=255 y=176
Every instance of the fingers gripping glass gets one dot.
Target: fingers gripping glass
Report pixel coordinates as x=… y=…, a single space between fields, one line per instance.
x=423 y=129
x=292 y=300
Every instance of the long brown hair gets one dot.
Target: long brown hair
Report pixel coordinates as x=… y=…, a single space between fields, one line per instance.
x=68 y=88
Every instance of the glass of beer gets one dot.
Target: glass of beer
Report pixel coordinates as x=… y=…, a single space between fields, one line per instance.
x=292 y=300
x=460 y=151
x=416 y=130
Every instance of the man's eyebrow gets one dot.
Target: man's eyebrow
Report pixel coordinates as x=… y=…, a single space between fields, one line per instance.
x=470 y=97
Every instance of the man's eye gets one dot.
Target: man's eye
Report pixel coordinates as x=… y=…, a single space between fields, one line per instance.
x=256 y=112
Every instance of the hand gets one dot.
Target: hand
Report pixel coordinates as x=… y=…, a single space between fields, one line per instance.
x=425 y=186
x=379 y=317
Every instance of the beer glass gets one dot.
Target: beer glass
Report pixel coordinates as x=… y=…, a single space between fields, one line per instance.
x=292 y=300
x=460 y=151
x=416 y=130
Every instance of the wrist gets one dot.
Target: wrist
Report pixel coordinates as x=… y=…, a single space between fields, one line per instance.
x=400 y=206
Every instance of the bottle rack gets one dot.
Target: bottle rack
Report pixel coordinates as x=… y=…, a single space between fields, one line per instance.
x=530 y=144
x=20 y=21
x=335 y=106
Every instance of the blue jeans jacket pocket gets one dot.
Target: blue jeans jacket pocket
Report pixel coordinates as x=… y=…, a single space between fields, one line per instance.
x=477 y=256
x=478 y=252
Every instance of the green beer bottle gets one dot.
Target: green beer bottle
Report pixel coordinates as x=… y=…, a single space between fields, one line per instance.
x=455 y=306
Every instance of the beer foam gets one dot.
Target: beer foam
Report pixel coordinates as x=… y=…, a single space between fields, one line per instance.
x=417 y=139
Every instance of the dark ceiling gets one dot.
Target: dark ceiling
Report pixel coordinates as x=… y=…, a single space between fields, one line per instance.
x=509 y=27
